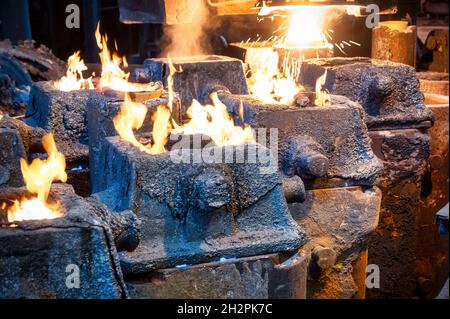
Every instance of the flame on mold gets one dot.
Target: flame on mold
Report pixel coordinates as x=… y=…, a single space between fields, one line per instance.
x=131 y=117
x=73 y=80
x=303 y=32
x=214 y=121
x=271 y=85
x=210 y=120
x=112 y=76
x=304 y=29
x=38 y=177
x=322 y=97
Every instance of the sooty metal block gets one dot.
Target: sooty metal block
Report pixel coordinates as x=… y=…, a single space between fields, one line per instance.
x=16 y=140
x=389 y=92
x=101 y=110
x=272 y=276
x=74 y=256
x=330 y=149
x=193 y=212
x=326 y=146
x=199 y=75
x=340 y=221
x=64 y=114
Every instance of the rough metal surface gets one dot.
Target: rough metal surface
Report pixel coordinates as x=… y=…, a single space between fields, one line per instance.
x=31 y=136
x=192 y=213
x=432 y=259
x=259 y=277
x=395 y=45
x=433 y=83
x=101 y=110
x=394 y=245
x=34 y=255
x=15 y=85
x=199 y=76
x=38 y=60
x=64 y=114
x=11 y=150
x=341 y=220
x=341 y=136
x=437 y=45
x=389 y=92
x=16 y=140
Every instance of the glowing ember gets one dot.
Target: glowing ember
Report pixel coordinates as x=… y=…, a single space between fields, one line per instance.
x=113 y=77
x=73 y=80
x=322 y=97
x=38 y=177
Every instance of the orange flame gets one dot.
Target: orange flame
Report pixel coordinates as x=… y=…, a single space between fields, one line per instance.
x=113 y=77
x=211 y=120
x=131 y=117
x=73 y=80
x=322 y=97
x=214 y=121
x=271 y=85
x=38 y=177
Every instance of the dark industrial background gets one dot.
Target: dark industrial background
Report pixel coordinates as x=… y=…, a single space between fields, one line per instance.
x=44 y=22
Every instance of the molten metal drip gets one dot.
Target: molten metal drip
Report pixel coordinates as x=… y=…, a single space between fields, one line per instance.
x=172 y=71
x=38 y=177
x=305 y=29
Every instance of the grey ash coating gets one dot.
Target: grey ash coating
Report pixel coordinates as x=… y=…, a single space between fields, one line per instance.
x=245 y=213
x=389 y=92
x=35 y=255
